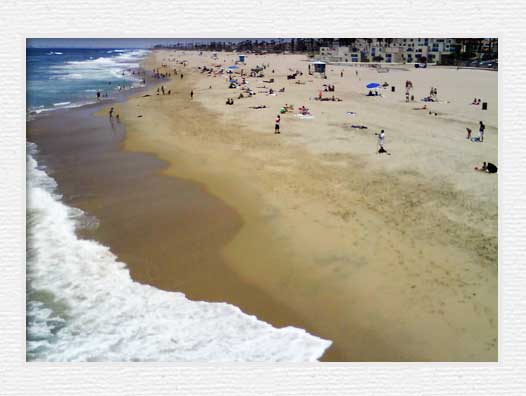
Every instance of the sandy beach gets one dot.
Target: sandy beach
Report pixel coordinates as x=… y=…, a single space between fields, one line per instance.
x=391 y=257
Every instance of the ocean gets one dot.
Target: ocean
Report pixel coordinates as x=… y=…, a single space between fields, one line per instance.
x=82 y=304
x=61 y=78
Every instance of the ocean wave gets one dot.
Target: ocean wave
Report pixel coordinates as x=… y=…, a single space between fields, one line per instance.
x=84 y=306
x=102 y=68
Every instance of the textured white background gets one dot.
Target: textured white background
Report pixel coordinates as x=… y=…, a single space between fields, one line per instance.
x=249 y=18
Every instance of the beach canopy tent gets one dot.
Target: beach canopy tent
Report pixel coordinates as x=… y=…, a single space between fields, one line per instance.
x=372 y=85
x=242 y=58
x=319 y=67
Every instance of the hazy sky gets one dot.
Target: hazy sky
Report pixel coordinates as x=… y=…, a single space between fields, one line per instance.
x=113 y=42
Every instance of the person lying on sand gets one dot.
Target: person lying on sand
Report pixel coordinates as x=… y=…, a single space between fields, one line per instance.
x=424 y=107
x=304 y=111
x=258 y=107
x=488 y=168
x=359 y=126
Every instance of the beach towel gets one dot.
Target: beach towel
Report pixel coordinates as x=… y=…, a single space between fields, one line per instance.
x=305 y=117
x=351 y=113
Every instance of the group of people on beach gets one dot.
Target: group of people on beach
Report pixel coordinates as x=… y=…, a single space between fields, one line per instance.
x=381 y=149
x=161 y=90
x=480 y=138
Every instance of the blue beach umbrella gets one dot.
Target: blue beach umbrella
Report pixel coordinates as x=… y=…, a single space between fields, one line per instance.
x=373 y=85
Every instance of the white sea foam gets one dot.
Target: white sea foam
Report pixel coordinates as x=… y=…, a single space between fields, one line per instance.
x=102 y=68
x=59 y=106
x=83 y=305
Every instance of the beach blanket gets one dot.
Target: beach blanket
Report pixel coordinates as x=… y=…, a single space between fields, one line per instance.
x=351 y=113
x=305 y=116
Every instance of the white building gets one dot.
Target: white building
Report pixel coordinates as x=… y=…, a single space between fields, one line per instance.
x=433 y=50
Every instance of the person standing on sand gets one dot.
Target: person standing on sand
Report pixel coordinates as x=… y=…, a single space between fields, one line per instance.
x=191 y=94
x=482 y=127
x=276 y=127
x=111 y=113
x=469 y=133
x=381 y=137
x=341 y=74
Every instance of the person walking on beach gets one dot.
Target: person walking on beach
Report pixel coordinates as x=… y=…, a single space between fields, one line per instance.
x=381 y=138
x=276 y=127
x=341 y=74
x=469 y=133
x=191 y=94
x=111 y=113
x=482 y=127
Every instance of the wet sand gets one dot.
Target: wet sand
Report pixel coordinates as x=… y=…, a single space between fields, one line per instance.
x=170 y=232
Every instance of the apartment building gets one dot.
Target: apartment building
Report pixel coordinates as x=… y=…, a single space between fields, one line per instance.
x=407 y=50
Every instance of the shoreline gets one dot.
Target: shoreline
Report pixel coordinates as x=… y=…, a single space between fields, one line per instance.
x=326 y=250
x=148 y=245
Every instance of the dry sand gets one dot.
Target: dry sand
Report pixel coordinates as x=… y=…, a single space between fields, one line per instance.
x=393 y=258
